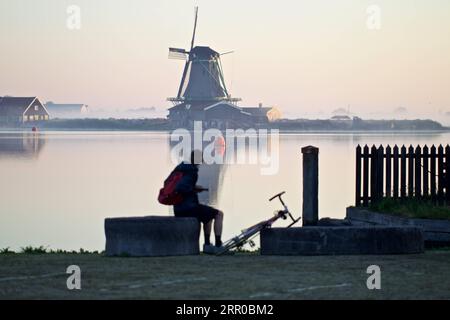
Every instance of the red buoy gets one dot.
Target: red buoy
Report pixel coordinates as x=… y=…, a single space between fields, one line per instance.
x=219 y=145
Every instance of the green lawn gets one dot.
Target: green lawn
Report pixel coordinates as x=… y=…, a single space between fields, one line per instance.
x=243 y=276
x=412 y=208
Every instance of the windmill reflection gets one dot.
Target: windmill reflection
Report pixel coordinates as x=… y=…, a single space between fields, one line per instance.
x=210 y=175
x=21 y=145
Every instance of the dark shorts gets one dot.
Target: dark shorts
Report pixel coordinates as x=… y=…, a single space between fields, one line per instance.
x=202 y=212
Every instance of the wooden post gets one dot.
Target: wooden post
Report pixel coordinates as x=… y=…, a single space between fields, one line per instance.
x=310 y=185
x=366 y=176
x=396 y=176
x=358 y=177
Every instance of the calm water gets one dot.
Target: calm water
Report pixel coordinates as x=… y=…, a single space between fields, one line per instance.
x=56 y=188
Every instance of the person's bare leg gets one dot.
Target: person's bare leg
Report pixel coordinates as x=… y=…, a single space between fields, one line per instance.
x=207 y=231
x=218 y=226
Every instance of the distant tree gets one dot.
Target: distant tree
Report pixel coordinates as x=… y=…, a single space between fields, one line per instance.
x=143 y=109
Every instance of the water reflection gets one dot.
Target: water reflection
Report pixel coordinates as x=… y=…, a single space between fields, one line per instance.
x=210 y=175
x=21 y=145
x=83 y=177
x=241 y=150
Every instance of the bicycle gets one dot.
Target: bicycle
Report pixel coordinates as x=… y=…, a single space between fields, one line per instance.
x=248 y=234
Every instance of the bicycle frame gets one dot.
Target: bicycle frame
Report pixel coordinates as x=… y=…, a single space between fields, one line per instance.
x=247 y=234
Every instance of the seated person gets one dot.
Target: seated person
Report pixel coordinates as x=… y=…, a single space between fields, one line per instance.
x=190 y=206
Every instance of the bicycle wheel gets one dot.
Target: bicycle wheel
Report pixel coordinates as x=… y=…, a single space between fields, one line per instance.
x=241 y=239
x=227 y=246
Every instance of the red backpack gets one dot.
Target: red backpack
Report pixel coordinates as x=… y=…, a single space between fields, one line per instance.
x=167 y=194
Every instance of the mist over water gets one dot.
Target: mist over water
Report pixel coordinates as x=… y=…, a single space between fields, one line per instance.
x=57 y=188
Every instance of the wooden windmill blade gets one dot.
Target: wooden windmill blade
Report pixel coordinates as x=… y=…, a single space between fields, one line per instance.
x=195 y=28
x=186 y=66
x=228 y=52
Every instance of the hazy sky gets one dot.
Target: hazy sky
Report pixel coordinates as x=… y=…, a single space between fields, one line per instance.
x=303 y=56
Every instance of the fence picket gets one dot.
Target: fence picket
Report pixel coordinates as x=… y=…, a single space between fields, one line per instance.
x=440 y=196
x=395 y=174
x=366 y=176
x=388 y=172
x=403 y=173
x=358 y=177
x=417 y=173
x=433 y=173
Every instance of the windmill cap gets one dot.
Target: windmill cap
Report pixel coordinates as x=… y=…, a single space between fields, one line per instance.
x=204 y=52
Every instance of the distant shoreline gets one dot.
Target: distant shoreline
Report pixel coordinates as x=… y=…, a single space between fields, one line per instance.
x=284 y=126
x=44 y=130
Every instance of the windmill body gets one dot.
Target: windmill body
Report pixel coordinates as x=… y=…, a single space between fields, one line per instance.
x=205 y=80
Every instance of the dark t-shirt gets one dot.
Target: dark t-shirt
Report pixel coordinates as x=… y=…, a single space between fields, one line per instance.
x=190 y=206
x=186 y=187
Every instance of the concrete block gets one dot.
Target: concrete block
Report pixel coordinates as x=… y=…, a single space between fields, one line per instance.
x=152 y=236
x=342 y=240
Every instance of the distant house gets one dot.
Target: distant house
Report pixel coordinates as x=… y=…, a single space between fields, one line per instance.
x=17 y=110
x=222 y=114
x=67 y=110
x=262 y=114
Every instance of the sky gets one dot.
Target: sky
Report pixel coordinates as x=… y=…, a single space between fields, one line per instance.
x=307 y=57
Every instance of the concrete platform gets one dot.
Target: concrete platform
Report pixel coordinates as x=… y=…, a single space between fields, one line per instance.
x=436 y=232
x=342 y=240
x=152 y=236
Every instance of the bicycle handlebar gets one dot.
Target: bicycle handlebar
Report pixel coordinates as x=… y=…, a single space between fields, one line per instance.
x=284 y=213
x=277 y=195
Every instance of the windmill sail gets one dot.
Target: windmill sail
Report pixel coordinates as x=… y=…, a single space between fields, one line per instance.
x=195 y=28
x=179 y=54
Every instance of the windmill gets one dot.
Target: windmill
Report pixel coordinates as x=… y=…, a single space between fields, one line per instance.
x=202 y=78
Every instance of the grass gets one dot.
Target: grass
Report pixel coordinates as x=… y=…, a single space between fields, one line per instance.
x=6 y=251
x=45 y=250
x=412 y=208
x=242 y=276
x=33 y=250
